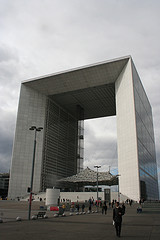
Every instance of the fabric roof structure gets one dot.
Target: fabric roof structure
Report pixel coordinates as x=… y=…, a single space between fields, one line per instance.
x=89 y=177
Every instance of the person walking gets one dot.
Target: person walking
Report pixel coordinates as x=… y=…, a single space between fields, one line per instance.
x=123 y=208
x=90 y=207
x=117 y=218
x=83 y=206
x=63 y=208
x=105 y=209
x=77 y=207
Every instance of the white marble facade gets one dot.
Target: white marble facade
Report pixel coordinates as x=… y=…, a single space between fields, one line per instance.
x=103 y=89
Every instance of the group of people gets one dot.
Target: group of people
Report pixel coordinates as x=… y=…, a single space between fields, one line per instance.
x=118 y=212
x=129 y=201
x=78 y=207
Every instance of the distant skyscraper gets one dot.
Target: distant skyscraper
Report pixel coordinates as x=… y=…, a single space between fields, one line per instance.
x=60 y=103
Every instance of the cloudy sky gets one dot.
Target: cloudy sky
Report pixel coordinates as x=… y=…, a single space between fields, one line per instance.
x=39 y=37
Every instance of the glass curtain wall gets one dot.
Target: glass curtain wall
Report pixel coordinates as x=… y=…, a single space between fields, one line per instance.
x=146 y=144
x=80 y=144
x=60 y=145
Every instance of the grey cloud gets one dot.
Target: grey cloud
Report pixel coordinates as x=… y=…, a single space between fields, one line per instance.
x=101 y=148
x=41 y=37
x=7 y=127
x=9 y=67
x=7 y=54
x=5 y=161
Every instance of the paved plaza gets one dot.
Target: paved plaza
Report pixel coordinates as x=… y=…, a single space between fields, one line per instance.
x=90 y=226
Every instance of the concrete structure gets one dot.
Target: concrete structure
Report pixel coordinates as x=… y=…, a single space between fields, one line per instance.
x=52 y=196
x=60 y=102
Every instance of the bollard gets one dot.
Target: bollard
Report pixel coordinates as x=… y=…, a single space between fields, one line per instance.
x=56 y=215
x=34 y=217
x=18 y=219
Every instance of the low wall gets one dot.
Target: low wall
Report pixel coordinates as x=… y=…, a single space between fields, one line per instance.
x=80 y=196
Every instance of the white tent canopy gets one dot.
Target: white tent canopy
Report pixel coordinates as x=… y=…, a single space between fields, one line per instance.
x=89 y=177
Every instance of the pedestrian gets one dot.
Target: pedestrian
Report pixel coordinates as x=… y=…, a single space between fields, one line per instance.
x=117 y=218
x=83 y=206
x=130 y=202
x=102 y=208
x=123 y=208
x=90 y=207
x=77 y=207
x=72 y=207
x=63 y=208
x=112 y=203
x=58 y=201
x=105 y=209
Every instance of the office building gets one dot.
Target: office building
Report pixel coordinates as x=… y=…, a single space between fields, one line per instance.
x=60 y=103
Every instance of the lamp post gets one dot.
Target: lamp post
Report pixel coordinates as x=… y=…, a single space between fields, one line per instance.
x=97 y=183
x=118 y=175
x=33 y=128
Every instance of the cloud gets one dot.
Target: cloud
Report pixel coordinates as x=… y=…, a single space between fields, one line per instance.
x=101 y=143
x=9 y=63
x=42 y=37
x=7 y=127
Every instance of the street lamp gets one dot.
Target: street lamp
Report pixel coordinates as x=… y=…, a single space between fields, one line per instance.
x=118 y=175
x=33 y=128
x=97 y=183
